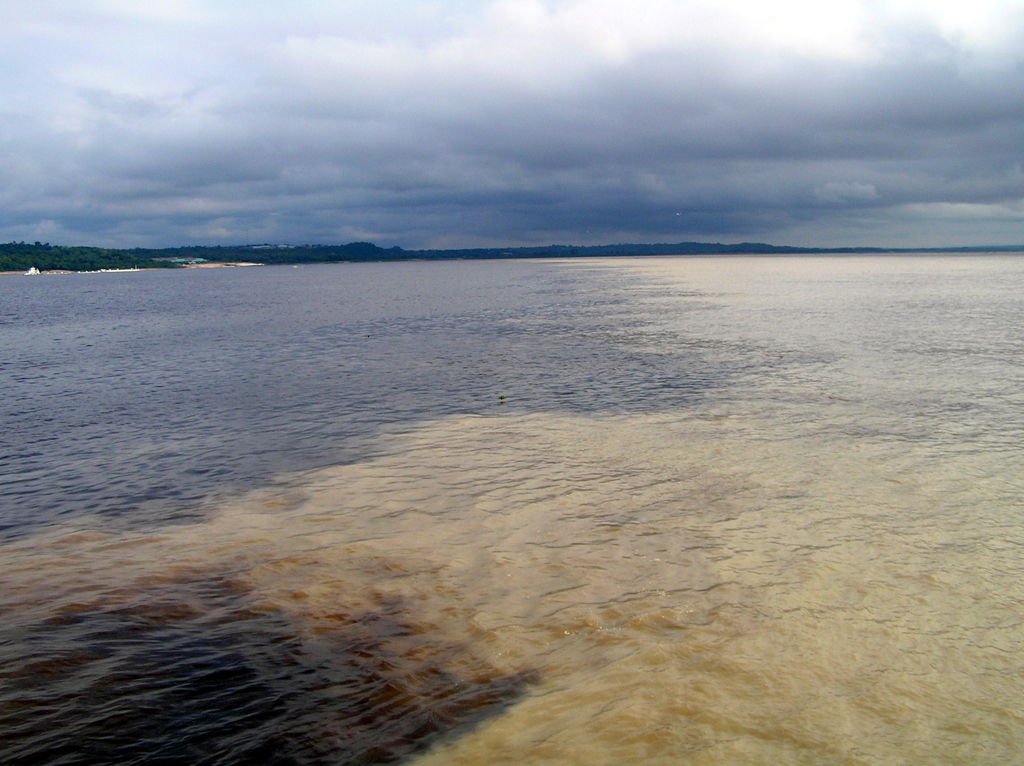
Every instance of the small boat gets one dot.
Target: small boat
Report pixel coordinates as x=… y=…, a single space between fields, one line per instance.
x=32 y=272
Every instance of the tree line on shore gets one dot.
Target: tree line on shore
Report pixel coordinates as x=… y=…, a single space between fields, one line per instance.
x=20 y=256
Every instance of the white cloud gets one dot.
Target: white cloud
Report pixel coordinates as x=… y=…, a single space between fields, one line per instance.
x=156 y=11
x=1012 y=210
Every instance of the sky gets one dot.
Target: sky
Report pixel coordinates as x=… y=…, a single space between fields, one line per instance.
x=512 y=122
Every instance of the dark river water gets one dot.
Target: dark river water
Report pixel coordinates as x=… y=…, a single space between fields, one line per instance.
x=134 y=394
x=669 y=510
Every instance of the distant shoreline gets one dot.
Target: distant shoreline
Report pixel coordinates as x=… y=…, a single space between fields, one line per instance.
x=130 y=271
x=19 y=257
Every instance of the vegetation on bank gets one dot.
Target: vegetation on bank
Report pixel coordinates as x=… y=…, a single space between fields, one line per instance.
x=20 y=256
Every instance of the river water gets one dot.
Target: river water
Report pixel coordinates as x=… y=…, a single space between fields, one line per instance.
x=729 y=511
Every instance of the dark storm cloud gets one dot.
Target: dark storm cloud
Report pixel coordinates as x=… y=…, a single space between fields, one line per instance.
x=512 y=122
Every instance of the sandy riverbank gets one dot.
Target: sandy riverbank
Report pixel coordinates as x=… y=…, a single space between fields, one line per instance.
x=219 y=265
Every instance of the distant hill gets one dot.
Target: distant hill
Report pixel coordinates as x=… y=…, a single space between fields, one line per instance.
x=20 y=256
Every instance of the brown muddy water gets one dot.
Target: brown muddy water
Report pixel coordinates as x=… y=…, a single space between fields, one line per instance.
x=731 y=511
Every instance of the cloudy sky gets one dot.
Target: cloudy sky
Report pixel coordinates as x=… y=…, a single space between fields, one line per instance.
x=476 y=122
